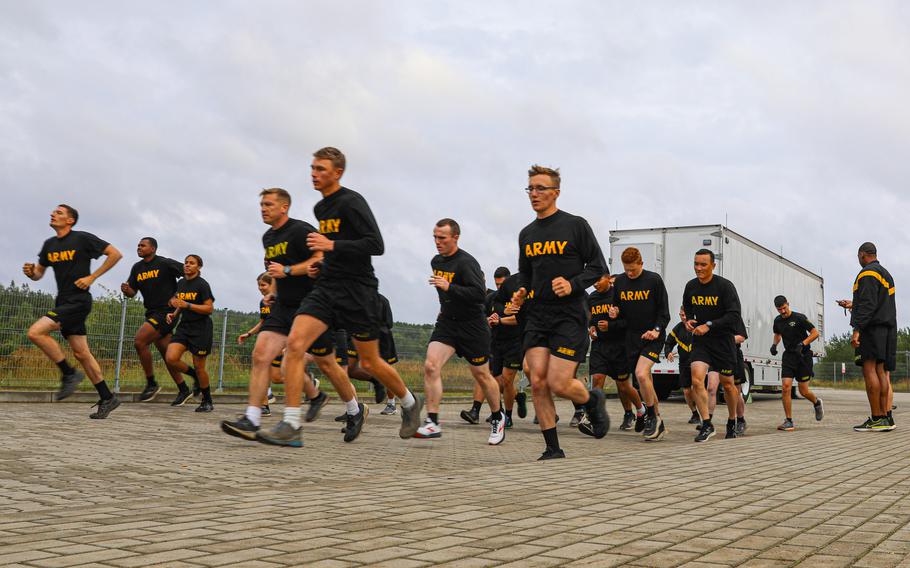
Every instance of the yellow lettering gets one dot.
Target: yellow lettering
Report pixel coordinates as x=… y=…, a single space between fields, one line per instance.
x=186 y=296
x=276 y=250
x=329 y=226
x=450 y=276
x=538 y=249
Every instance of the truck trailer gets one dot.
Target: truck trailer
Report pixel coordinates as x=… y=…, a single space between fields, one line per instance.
x=759 y=275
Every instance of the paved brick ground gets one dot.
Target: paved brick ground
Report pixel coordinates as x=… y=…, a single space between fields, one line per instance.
x=156 y=486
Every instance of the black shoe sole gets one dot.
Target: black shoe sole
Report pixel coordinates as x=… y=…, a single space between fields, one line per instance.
x=99 y=416
x=469 y=418
x=364 y=412
x=237 y=433
x=150 y=397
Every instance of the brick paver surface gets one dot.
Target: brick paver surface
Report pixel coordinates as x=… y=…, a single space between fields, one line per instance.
x=161 y=486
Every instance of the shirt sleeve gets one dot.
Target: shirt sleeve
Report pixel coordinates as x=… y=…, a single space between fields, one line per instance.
x=206 y=294
x=175 y=268
x=775 y=327
x=663 y=306
x=94 y=246
x=473 y=289
x=591 y=255
x=131 y=281
x=42 y=256
x=807 y=325
x=865 y=301
x=525 y=272
x=728 y=321
x=361 y=218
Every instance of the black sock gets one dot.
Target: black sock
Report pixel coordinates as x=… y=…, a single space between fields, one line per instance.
x=731 y=423
x=190 y=372
x=207 y=394
x=889 y=414
x=706 y=423
x=65 y=367
x=103 y=391
x=150 y=380
x=649 y=410
x=476 y=406
x=551 y=438
x=579 y=406
x=434 y=416
x=740 y=418
x=183 y=388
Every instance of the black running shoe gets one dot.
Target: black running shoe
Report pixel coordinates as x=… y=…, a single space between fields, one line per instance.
x=470 y=416
x=694 y=419
x=379 y=392
x=740 y=428
x=598 y=423
x=266 y=411
x=706 y=432
x=242 y=428
x=205 y=406
x=355 y=423
x=651 y=424
x=150 y=392
x=552 y=454
x=521 y=399
x=182 y=397
x=731 y=431
x=864 y=427
x=640 y=423
x=576 y=418
x=105 y=407
x=316 y=404
x=68 y=384
x=343 y=417
x=508 y=422
x=659 y=430
x=628 y=421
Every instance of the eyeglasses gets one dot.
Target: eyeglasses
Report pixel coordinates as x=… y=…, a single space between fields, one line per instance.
x=539 y=188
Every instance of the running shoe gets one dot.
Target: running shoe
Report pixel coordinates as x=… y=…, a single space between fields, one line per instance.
x=283 y=434
x=355 y=423
x=68 y=384
x=389 y=409
x=508 y=422
x=105 y=407
x=865 y=426
x=470 y=416
x=731 y=431
x=205 y=406
x=787 y=425
x=316 y=404
x=641 y=421
x=694 y=419
x=651 y=426
x=628 y=421
x=378 y=391
x=242 y=428
x=521 y=399
x=552 y=454
x=819 y=410
x=598 y=422
x=150 y=392
x=740 y=427
x=881 y=425
x=182 y=397
x=706 y=433
x=497 y=429
x=576 y=418
x=410 y=418
x=659 y=430
x=266 y=410
x=429 y=429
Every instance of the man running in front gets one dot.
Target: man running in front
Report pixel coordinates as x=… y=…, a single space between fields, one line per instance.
x=797 y=333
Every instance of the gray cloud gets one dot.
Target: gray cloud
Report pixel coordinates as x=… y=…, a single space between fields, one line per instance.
x=166 y=119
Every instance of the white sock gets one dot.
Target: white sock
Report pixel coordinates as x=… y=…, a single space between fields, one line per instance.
x=391 y=401
x=292 y=415
x=270 y=392
x=351 y=407
x=254 y=415
x=408 y=401
x=641 y=411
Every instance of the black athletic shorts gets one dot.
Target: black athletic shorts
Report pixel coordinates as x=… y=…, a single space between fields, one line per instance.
x=470 y=338
x=505 y=355
x=345 y=305
x=341 y=347
x=609 y=359
x=387 y=349
x=739 y=370
x=637 y=347
x=71 y=314
x=563 y=329
x=796 y=365
x=158 y=320
x=719 y=354
x=879 y=344
x=276 y=362
x=685 y=375
x=196 y=336
x=281 y=319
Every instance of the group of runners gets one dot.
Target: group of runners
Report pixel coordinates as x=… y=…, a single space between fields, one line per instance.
x=321 y=305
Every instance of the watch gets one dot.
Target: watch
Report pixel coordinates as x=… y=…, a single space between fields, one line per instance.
x=709 y=323
x=287 y=270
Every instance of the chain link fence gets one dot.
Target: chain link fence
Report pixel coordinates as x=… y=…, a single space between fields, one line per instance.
x=846 y=374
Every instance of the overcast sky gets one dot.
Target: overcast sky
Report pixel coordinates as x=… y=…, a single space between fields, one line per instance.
x=166 y=119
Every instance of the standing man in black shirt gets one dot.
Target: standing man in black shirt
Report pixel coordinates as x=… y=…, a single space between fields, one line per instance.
x=559 y=258
x=70 y=253
x=155 y=277
x=642 y=301
x=608 y=349
x=346 y=297
x=797 y=333
x=461 y=329
x=194 y=305
x=712 y=306
x=874 y=323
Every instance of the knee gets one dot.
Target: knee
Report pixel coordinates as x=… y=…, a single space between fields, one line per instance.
x=140 y=345
x=430 y=368
x=260 y=357
x=81 y=355
x=171 y=357
x=33 y=334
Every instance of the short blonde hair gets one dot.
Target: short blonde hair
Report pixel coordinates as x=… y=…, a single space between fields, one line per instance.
x=537 y=170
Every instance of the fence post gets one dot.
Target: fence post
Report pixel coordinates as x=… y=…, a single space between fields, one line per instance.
x=120 y=344
x=221 y=355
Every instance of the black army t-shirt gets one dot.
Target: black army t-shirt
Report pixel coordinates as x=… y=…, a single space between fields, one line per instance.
x=464 y=299
x=156 y=280
x=286 y=245
x=793 y=330
x=71 y=258
x=195 y=291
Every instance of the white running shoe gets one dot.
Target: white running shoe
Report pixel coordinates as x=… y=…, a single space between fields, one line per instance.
x=497 y=429
x=429 y=429
x=390 y=408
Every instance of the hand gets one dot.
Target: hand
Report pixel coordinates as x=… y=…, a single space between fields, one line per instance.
x=671 y=356
x=561 y=287
x=846 y=304
x=854 y=340
x=269 y=299
x=511 y=309
x=313 y=270
x=242 y=337
x=29 y=269
x=592 y=331
x=650 y=335
x=613 y=312
x=493 y=319
x=439 y=282
x=170 y=318
x=701 y=330
x=518 y=298
x=125 y=288
x=774 y=349
x=84 y=282
x=176 y=302
x=319 y=243
x=690 y=325
x=603 y=325
x=275 y=270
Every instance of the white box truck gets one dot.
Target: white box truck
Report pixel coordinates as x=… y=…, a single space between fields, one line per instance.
x=758 y=274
